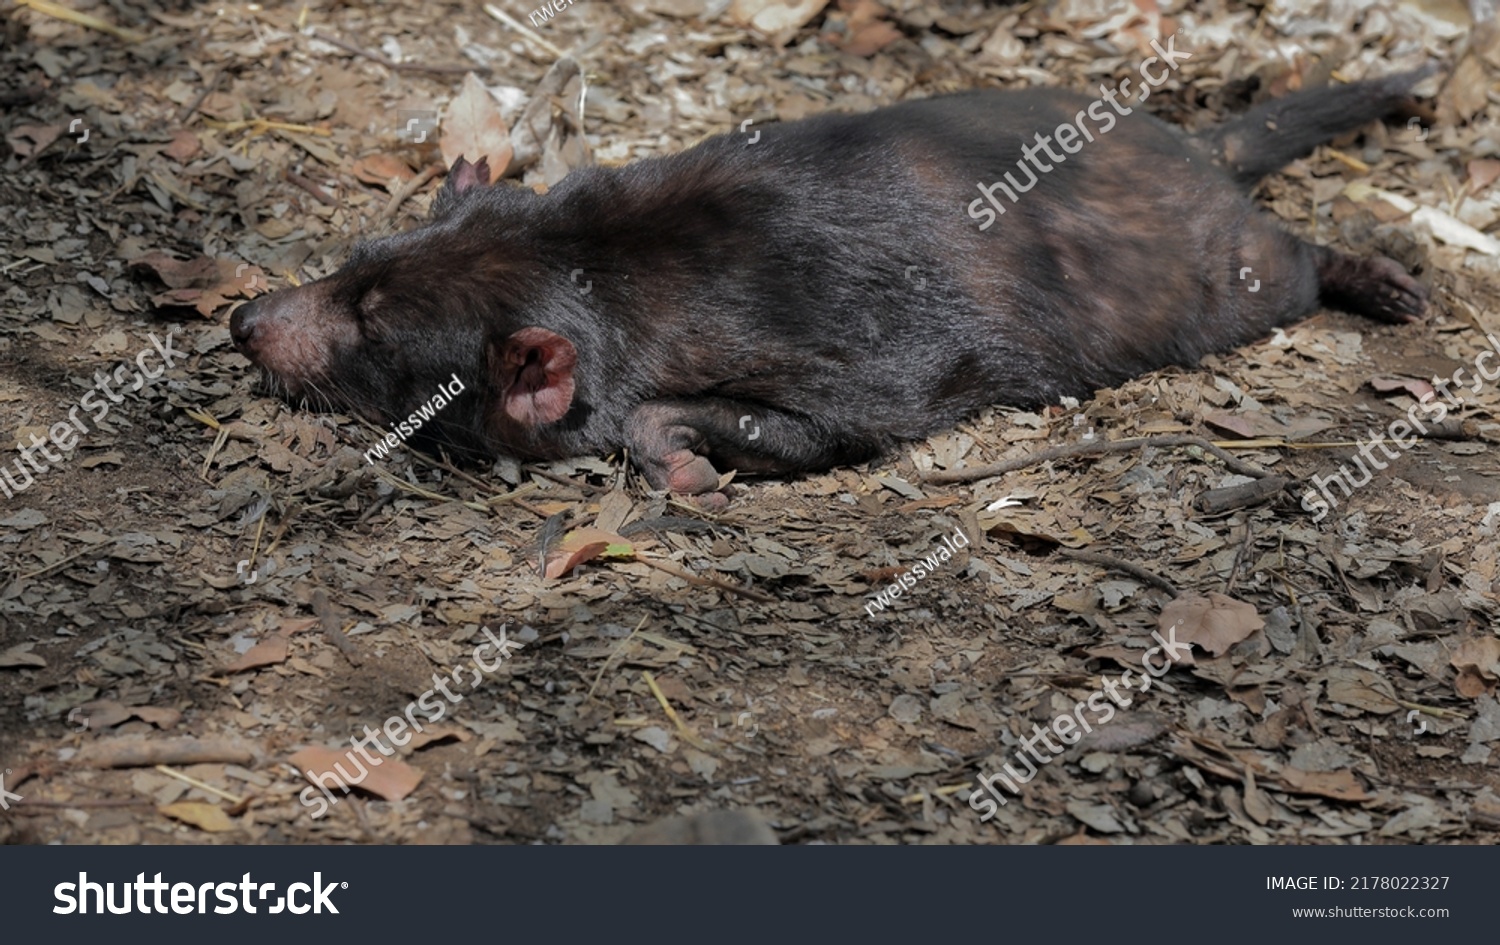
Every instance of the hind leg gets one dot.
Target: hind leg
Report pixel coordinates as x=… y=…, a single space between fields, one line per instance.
x=1377 y=287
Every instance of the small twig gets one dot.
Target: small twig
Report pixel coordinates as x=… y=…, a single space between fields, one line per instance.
x=1097 y=448
x=208 y=88
x=707 y=581
x=583 y=487
x=610 y=659
x=524 y=30
x=1240 y=556
x=395 y=66
x=405 y=486
x=687 y=734
x=83 y=803
x=60 y=12
x=406 y=190
x=172 y=772
x=1124 y=567
x=333 y=627
x=69 y=559
x=311 y=187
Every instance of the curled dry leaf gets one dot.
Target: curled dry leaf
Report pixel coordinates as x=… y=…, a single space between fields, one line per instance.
x=1413 y=386
x=27 y=140
x=1215 y=623
x=585 y=544
x=20 y=655
x=273 y=649
x=1478 y=665
x=104 y=713
x=205 y=284
x=473 y=129
x=385 y=170
x=389 y=779
x=1338 y=785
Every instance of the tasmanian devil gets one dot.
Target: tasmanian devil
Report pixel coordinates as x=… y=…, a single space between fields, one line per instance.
x=813 y=293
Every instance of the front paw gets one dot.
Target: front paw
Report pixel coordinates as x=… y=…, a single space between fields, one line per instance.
x=1389 y=293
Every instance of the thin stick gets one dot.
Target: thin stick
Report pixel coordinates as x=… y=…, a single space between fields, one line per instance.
x=1097 y=448
x=395 y=66
x=616 y=652
x=524 y=30
x=311 y=187
x=72 y=557
x=687 y=734
x=402 y=484
x=233 y=799
x=1124 y=567
x=83 y=19
x=406 y=190
x=706 y=581
x=333 y=628
x=191 y=107
x=583 y=487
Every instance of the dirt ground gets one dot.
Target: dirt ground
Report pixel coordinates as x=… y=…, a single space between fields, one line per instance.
x=212 y=587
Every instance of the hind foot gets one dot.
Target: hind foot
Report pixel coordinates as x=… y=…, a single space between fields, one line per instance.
x=1377 y=287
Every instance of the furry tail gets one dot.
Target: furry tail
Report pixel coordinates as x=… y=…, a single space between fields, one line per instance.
x=1272 y=135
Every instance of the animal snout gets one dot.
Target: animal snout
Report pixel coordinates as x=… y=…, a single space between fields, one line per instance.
x=242 y=325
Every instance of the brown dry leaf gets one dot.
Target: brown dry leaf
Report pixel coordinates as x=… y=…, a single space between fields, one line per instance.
x=27 y=140
x=205 y=284
x=1254 y=424
x=778 y=19
x=1339 y=785
x=184 y=147
x=1361 y=689
x=391 y=779
x=386 y=170
x=104 y=713
x=1215 y=623
x=1413 y=386
x=585 y=544
x=1478 y=665
x=1482 y=173
x=437 y=735
x=859 y=28
x=473 y=129
x=208 y=817
x=268 y=652
x=20 y=655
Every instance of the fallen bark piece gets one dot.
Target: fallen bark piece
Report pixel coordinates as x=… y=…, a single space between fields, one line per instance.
x=144 y=753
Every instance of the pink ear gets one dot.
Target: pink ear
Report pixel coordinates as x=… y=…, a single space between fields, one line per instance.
x=536 y=376
x=465 y=176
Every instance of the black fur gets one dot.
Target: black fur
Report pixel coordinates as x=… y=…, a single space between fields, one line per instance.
x=829 y=281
